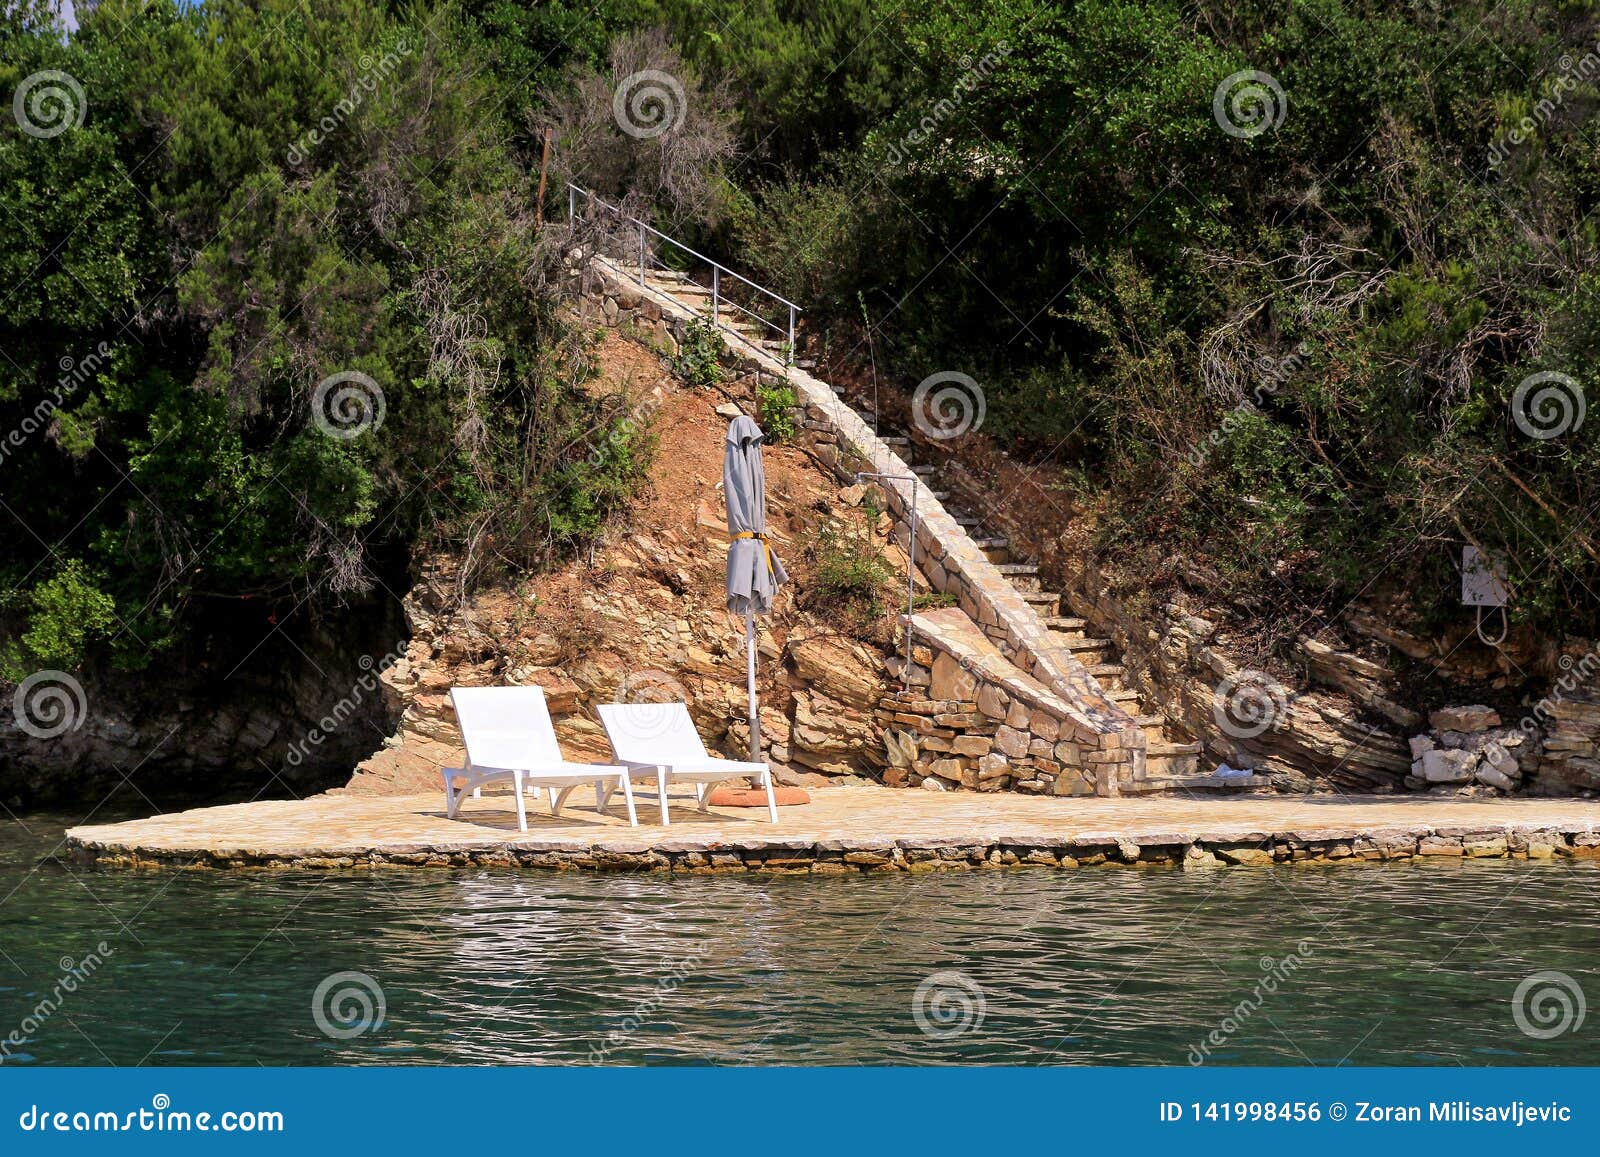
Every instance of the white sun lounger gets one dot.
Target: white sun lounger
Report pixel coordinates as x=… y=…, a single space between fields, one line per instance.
x=508 y=736
x=659 y=739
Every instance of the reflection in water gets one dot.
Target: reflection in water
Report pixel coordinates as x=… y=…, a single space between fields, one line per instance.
x=1398 y=966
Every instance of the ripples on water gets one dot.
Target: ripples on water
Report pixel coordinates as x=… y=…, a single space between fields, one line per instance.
x=1408 y=965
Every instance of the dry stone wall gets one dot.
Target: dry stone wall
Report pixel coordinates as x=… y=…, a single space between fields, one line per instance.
x=971 y=719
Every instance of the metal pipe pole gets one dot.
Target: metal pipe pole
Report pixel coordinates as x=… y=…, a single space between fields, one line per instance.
x=911 y=562
x=750 y=682
x=641 y=254
x=791 y=362
x=716 y=289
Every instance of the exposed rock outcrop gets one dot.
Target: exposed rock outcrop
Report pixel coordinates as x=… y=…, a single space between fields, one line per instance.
x=302 y=707
x=644 y=619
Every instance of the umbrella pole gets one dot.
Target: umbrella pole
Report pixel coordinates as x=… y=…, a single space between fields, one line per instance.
x=750 y=682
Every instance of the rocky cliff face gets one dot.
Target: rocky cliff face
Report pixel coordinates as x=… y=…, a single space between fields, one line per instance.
x=262 y=706
x=644 y=619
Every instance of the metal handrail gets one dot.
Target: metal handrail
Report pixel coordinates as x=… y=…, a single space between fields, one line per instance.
x=717 y=270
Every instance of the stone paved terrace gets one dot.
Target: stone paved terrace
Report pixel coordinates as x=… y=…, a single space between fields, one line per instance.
x=846 y=829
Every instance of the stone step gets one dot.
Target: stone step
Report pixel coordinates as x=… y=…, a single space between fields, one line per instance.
x=1155 y=728
x=968 y=520
x=1166 y=766
x=1082 y=643
x=1173 y=749
x=1065 y=623
x=894 y=439
x=1195 y=783
x=1041 y=599
x=1018 y=573
x=1121 y=694
x=924 y=472
x=1108 y=675
x=989 y=542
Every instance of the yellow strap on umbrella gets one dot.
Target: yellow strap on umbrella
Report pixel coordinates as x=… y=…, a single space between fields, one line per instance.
x=771 y=570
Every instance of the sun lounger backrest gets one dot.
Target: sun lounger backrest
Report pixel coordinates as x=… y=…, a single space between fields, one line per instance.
x=652 y=732
x=506 y=727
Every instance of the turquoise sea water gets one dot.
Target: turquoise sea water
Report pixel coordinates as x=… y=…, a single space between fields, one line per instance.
x=1367 y=965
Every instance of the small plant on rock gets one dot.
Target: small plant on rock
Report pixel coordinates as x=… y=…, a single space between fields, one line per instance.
x=851 y=576
x=698 y=361
x=777 y=403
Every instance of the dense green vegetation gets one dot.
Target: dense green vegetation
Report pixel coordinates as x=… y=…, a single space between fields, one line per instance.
x=1289 y=354
x=1275 y=332
x=275 y=312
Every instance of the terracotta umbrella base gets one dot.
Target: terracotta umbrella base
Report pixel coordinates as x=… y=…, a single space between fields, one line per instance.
x=725 y=796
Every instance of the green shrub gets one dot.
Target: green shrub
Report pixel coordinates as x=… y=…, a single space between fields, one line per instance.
x=777 y=403
x=64 y=614
x=851 y=576
x=699 y=358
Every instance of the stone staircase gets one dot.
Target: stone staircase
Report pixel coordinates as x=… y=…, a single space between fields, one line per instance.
x=1171 y=763
x=680 y=287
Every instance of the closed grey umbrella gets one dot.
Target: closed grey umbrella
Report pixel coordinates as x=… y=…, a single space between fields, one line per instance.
x=754 y=571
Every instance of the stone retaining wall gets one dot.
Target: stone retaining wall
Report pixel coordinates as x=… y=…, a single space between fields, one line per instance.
x=980 y=723
x=946 y=555
x=844 y=857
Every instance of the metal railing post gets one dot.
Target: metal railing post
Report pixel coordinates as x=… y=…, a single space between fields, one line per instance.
x=717 y=269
